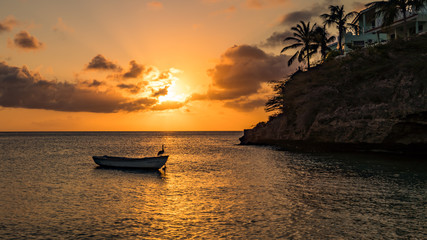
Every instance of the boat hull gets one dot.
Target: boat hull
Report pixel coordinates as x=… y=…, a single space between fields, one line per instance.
x=123 y=162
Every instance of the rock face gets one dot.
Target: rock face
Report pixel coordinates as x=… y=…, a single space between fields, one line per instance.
x=375 y=98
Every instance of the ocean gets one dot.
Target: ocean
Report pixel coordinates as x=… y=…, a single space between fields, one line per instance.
x=212 y=188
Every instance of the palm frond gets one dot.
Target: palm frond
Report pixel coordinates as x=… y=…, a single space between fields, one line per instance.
x=292 y=59
x=293 y=46
x=292 y=38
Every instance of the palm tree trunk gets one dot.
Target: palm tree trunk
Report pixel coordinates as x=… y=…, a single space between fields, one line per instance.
x=405 y=26
x=308 y=59
x=340 y=41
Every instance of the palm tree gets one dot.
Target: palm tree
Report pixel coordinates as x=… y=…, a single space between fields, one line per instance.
x=303 y=37
x=338 y=17
x=391 y=9
x=322 y=38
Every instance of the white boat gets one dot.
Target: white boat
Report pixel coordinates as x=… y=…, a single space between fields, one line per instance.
x=124 y=162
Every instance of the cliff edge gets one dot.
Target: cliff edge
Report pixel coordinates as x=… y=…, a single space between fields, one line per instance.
x=372 y=99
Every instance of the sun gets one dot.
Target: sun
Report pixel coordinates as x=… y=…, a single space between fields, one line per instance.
x=173 y=95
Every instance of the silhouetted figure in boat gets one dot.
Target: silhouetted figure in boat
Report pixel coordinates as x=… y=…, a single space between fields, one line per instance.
x=161 y=151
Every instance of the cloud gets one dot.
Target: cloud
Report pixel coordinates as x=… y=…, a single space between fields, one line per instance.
x=60 y=26
x=246 y=105
x=8 y=24
x=135 y=70
x=21 y=88
x=155 y=5
x=259 y=4
x=276 y=39
x=168 y=105
x=132 y=88
x=99 y=62
x=316 y=10
x=241 y=71
x=297 y=16
x=160 y=92
x=94 y=83
x=241 y=74
x=24 y=40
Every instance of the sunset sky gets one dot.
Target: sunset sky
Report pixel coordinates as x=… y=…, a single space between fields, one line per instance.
x=134 y=65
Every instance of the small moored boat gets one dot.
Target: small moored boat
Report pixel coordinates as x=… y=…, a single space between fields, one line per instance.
x=124 y=162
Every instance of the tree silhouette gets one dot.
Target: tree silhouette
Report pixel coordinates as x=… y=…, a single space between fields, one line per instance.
x=277 y=102
x=338 y=17
x=322 y=38
x=303 y=38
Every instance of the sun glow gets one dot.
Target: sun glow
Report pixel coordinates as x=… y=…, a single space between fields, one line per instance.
x=173 y=95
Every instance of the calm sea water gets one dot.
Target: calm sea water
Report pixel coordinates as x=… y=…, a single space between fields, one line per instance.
x=212 y=188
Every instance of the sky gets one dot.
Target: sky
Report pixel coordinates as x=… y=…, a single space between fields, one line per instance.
x=135 y=65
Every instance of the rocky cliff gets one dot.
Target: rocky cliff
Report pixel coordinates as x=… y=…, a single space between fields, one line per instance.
x=374 y=98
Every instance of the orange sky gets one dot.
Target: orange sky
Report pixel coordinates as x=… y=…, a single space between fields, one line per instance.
x=106 y=65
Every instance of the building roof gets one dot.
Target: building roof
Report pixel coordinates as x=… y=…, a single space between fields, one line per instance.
x=361 y=13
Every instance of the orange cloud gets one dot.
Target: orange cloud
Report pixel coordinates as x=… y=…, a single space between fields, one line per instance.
x=155 y=5
x=99 y=62
x=8 y=24
x=240 y=75
x=168 y=105
x=259 y=4
x=60 y=26
x=135 y=70
x=24 y=40
x=160 y=92
x=242 y=70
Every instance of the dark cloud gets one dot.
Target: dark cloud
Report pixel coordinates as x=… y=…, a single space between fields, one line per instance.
x=242 y=70
x=138 y=104
x=317 y=9
x=198 y=96
x=295 y=17
x=132 y=88
x=168 y=105
x=276 y=39
x=160 y=92
x=94 y=83
x=135 y=70
x=99 y=62
x=7 y=24
x=240 y=74
x=24 y=40
x=246 y=105
x=20 y=88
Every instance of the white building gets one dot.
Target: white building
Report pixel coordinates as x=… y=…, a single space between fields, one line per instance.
x=371 y=29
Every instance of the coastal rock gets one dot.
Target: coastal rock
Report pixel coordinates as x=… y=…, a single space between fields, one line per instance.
x=374 y=98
